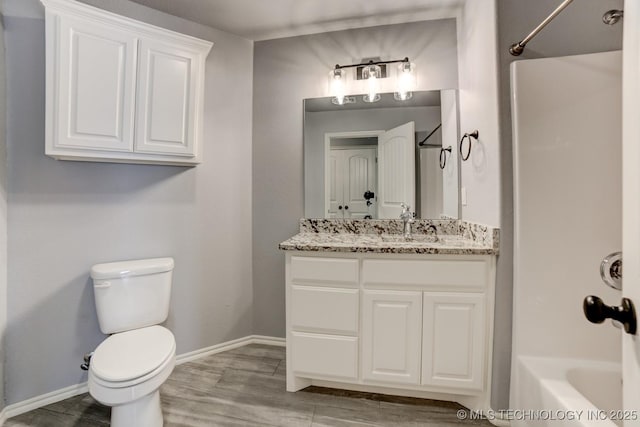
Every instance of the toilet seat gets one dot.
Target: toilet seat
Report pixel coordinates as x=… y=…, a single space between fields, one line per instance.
x=129 y=358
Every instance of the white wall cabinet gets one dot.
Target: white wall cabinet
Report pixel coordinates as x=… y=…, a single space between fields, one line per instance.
x=119 y=90
x=421 y=325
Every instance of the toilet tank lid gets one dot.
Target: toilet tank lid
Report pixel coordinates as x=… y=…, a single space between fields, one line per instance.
x=140 y=267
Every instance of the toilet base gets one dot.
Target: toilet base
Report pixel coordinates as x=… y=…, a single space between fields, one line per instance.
x=145 y=411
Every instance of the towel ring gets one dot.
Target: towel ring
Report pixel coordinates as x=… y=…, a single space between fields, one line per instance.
x=443 y=156
x=468 y=137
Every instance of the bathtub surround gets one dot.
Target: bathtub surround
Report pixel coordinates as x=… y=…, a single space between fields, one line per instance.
x=583 y=389
x=577 y=30
x=550 y=328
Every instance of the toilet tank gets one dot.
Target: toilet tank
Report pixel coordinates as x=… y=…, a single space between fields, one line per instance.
x=132 y=294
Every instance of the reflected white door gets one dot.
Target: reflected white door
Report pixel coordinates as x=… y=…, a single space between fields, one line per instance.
x=334 y=185
x=631 y=203
x=396 y=170
x=352 y=172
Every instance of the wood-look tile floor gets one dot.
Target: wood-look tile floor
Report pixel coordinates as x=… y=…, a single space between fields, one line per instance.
x=246 y=387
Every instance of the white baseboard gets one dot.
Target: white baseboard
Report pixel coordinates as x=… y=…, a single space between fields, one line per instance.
x=500 y=422
x=262 y=339
x=229 y=345
x=44 y=400
x=499 y=419
x=74 y=390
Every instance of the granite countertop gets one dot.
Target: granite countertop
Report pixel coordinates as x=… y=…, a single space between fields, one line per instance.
x=385 y=236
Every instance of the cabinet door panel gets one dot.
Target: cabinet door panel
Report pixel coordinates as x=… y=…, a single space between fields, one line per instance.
x=453 y=349
x=168 y=95
x=96 y=87
x=391 y=336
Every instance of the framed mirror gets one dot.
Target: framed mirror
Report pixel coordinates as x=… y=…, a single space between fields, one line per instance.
x=363 y=160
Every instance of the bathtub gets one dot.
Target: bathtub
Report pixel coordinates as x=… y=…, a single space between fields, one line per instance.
x=566 y=392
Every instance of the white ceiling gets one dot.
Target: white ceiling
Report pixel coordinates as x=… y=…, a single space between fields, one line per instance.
x=269 y=19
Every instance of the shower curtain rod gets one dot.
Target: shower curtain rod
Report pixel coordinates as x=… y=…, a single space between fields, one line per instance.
x=422 y=143
x=516 y=49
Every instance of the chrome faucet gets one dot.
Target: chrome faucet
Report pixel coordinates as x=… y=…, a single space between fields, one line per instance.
x=407 y=217
x=433 y=231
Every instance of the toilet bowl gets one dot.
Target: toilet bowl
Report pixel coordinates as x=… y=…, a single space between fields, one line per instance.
x=128 y=368
x=126 y=372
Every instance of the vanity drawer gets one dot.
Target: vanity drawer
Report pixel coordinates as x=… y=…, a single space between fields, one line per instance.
x=449 y=274
x=324 y=355
x=328 y=310
x=324 y=270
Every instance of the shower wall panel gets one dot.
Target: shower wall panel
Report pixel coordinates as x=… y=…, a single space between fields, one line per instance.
x=568 y=208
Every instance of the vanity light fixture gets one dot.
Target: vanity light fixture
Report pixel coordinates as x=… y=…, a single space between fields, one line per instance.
x=372 y=71
x=344 y=100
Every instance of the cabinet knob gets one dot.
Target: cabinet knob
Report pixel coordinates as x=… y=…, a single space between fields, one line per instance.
x=346 y=207
x=340 y=207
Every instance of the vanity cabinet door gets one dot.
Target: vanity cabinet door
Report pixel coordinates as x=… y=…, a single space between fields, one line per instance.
x=391 y=336
x=169 y=91
x=454 y=340
x=94 y=107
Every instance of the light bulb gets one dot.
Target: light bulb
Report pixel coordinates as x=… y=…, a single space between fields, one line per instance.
x=406 y=81
x=372 y=73
x=337 y=86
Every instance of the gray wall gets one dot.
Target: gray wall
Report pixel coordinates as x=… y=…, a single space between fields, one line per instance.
x=288 y=71
x=65 y=216
x=578 y=29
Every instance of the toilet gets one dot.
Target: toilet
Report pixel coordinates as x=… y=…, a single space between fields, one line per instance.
x=128 y=368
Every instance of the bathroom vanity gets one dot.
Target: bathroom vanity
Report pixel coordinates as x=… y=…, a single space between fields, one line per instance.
x=370 y=310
